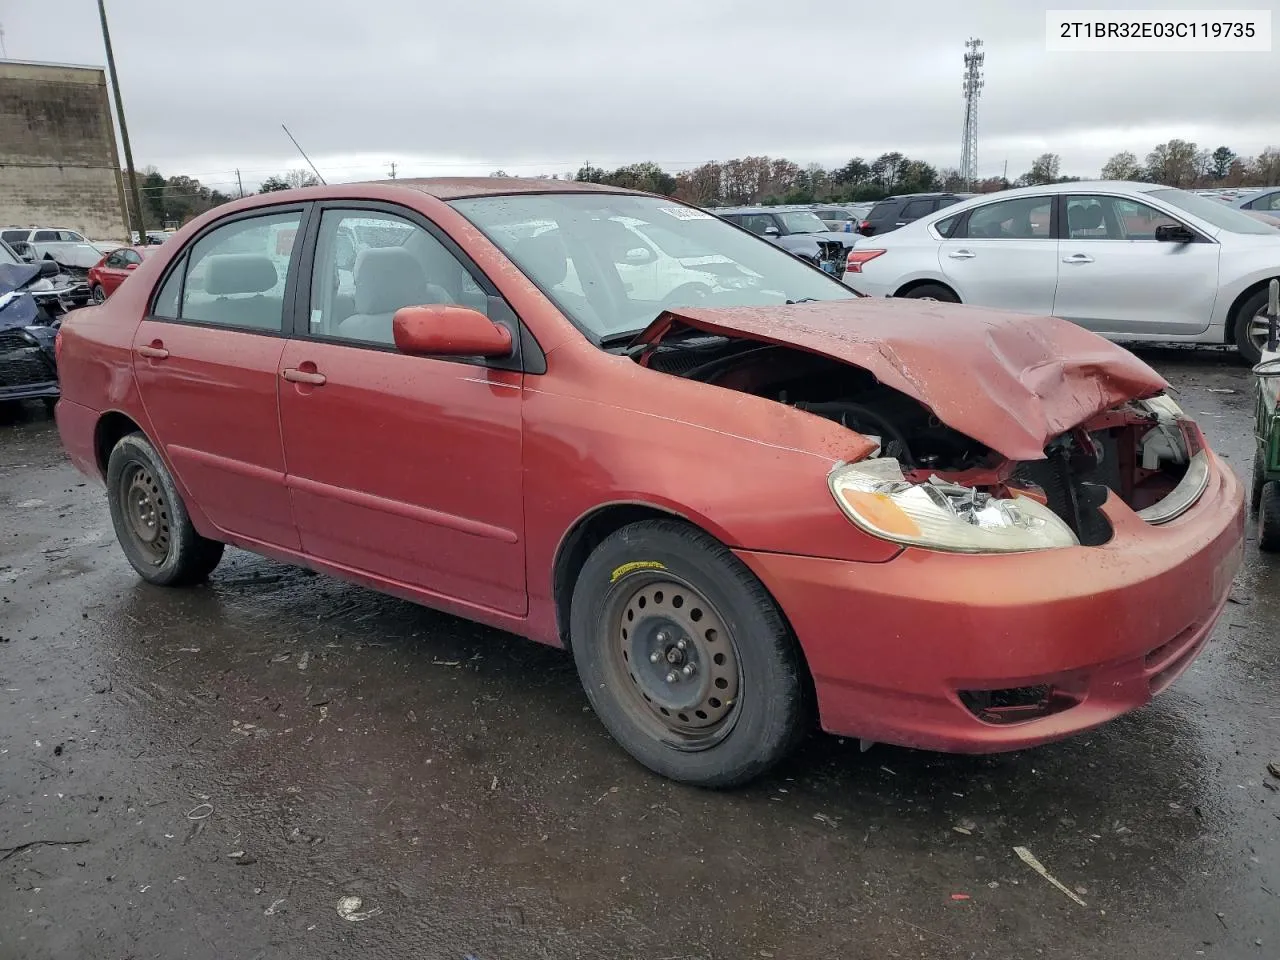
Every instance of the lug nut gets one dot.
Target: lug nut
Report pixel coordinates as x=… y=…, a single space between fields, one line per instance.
x=688 y=670
x=655 y=657
x=662 y=636
x=682 y=643
x=672 y=677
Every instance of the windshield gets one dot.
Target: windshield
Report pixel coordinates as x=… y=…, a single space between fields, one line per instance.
x=590 y=254
x=803 y=222
x=1212 y=211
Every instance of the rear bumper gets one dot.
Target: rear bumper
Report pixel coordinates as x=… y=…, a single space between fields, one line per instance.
x=77 y=427
x=892 y=646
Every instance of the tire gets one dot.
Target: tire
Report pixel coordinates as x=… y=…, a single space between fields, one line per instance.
x=675 y=576
x=50 y=404
x=931 y=291
x=97 y=294
x=1269 y=518
x=150 y=519
x=1259 y=480
x=1250 y=349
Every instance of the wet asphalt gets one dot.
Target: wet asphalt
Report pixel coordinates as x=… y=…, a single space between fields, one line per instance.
x=215 y=772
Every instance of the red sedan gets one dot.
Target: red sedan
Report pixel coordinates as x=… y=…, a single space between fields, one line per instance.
x=741 y=495
x=111 y=271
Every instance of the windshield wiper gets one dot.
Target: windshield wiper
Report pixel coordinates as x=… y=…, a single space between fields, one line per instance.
x=621 y=339
x=792 y=303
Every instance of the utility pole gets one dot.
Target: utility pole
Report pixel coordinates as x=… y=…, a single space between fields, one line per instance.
x=1005 y=175
x=124 y=130
x=239 y=182
x=393 y=169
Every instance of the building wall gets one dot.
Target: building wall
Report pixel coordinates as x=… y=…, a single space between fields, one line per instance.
x=58 y=161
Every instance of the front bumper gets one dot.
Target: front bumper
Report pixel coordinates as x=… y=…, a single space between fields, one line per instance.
x=27 y=370
x=892 y=646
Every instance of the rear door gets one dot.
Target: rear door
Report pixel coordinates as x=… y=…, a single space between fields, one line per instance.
x=914 y=210
x=206 y=359
x=1116 y=278
x=1004 y=254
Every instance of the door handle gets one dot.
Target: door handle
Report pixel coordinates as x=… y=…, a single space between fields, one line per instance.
x=961 y=254
x=1078 y=258
x=294 y=375
x=153 y=351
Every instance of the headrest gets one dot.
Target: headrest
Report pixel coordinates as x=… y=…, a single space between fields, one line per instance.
x=1086 y=218
x=239 y=273
x=388 y=278
x=544 y=256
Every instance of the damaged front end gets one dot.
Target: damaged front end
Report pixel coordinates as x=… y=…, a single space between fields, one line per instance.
x=1016 y=447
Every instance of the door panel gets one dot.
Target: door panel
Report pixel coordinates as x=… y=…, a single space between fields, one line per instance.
x=1116 y=278
x=408 y=468
x=212 y=403
x=404 y=467
x=206 y=366
x=1006 y=256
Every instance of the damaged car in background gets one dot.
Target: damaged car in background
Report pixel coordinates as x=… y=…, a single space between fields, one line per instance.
x=66 y=287
x=30 y=315
x=742 y=508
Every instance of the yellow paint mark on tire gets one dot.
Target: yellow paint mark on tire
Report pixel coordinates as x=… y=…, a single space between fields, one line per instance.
x=632 y=567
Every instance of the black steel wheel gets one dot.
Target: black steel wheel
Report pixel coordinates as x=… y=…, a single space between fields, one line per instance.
x=97 y=294
x=150 y=519
x=685 y=657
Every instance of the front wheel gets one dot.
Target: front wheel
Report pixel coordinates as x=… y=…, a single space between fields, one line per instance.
x=1252 y=328
x=150 y=519
x=97 y=294
x=932 y=291
x=685 y=657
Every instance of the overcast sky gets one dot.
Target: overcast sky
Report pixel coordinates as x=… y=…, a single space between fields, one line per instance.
x=540 y=86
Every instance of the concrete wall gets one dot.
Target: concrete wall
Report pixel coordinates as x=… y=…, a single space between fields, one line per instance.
x=58 y=161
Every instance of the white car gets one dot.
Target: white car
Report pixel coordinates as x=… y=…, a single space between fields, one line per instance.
x=1131 y=261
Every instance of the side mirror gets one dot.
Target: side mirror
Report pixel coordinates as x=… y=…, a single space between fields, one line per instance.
x=49 y=268
x=131 y=266
x=1174 y=233
x=449 y=331
x=771 y=231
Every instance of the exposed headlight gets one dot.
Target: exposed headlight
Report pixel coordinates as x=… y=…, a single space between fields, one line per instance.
x=1164 y=407
x=940 y=515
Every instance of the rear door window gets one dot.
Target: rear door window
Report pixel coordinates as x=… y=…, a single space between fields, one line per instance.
x=236 y=275
x=1023 y=218
x=915 y=209
x=12 y=236
x=45 y=236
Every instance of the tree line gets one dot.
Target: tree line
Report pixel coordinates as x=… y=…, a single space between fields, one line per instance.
x=774 y=180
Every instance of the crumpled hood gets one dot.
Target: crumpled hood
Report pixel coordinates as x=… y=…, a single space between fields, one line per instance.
x=1011 y=381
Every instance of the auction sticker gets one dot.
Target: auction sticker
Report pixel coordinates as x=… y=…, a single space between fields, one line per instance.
x=686 y=213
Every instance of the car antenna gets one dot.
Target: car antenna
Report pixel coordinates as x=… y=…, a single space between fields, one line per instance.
x=304 y=155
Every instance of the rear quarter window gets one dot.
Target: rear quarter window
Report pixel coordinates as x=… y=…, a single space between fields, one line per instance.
x=883 y=210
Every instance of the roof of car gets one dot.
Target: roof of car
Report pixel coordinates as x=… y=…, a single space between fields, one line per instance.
x=455 y=188
x=925 y=196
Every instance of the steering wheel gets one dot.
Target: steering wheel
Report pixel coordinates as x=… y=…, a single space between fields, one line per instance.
x=690 y=294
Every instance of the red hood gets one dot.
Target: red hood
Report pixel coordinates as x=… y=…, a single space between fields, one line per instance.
x=1010 y=381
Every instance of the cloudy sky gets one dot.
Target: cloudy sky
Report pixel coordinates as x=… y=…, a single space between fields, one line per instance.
x=540 y=86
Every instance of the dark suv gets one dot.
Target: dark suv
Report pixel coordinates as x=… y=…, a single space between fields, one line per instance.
x=894 y=212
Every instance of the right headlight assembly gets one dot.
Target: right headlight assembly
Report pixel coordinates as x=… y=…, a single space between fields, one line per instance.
x=939 y=515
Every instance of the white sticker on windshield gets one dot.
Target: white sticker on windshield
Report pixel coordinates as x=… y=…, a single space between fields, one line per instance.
x=686 y=213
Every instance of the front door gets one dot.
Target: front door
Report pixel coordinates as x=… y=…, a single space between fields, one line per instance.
x=404 y=467
x=1004 y=255
x=1116 y=278
x=206 y=359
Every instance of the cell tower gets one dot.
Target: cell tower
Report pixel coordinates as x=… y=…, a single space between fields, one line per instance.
x=973 y=60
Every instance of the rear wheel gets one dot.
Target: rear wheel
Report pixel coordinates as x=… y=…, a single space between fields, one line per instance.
x=685 y=657
x=97 y=294
x=150 y=519
x=1269 y=518
x=1259 y=481
x=931 y=291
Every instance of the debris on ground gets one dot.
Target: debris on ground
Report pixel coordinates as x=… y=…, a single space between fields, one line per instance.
x=200 y=812
x=1273 y=768
x=960 y=896
x=965 y=827
x=272 y=910
x=829 y=821
x=1029 y=858
x=1222 y=390
x=349 y=909
x=7 y=852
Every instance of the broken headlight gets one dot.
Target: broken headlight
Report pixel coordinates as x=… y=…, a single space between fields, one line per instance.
x=1169 y=443
x=942 y=516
